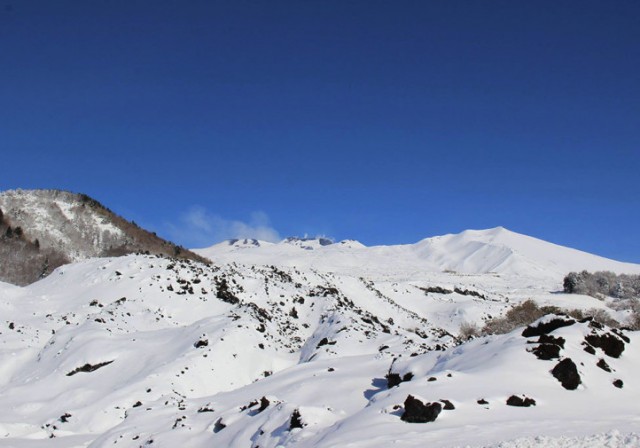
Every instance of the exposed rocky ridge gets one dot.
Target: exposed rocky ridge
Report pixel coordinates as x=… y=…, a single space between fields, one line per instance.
x=44 y=229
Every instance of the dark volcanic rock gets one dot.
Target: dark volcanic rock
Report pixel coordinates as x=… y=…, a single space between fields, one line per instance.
x=611 y=345
x=296 y=420
x=547 y=327
x=603 y=365
x=88 y=368
x=618 y=383
x=264 y=404
x=415 y=411
x=567 y=373
x=224 y=293
x=448 y=406
x=622 y=336
x=548 y=339
x=393 y=379
x=547 y=351
x=482 y=401
x=523 y=402
x=325 y=341
x=201 y=343
x=589 y=349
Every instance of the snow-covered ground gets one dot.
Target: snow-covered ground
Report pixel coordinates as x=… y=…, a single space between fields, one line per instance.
x=148 y=351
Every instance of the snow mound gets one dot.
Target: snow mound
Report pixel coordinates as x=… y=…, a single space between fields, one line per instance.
x=503 y=251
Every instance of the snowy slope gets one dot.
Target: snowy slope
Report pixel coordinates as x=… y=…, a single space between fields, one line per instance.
x=503 y=251
x=144 y=350
x=495 y=250
x=60 y=220
x=44 y=229
x=125 y=351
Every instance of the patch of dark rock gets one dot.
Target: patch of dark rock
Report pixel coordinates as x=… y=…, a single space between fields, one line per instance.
x=224 y=293
x=260 y=313
x=64 y=418
x=547 y=327
x=468 y=292
x=250 y=405
x=394 y=379
x=567 y=373
x=433 y=378
x=296 y=420
x=611 y=345
x=546 y=352
x=331 y=369
x=201 y=343
x=436 y=290
x=264 y=404
x=205 y=409
x=137 y=404
x=12 y=326
x=218 y=426
x=595 y=324
x=482 y=401
x=603 y=365
x=415 y=411
x=523 y=402
x=120 y=301
x=589 y=349
x=618 y=383
x=383 y=347
x=549 y=339
x=88 y=368
x=448 y=406
x=621 y=335
x=325 y=341
x=118 y=273
x=321 y=291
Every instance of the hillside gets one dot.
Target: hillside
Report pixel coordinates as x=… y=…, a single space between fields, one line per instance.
x=306 y=343
x=147 y=351
x=498 y=251
x=44 y=229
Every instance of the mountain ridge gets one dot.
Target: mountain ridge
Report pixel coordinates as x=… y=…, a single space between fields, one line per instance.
x=44 y=229
x=497 y=250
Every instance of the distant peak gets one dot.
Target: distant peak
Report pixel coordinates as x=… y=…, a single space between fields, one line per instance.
x=323 y=241
x=352 y=244
x=308 y=243
x=491 y=231
x=243 y=242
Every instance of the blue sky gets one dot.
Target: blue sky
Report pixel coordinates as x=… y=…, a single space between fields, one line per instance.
x=383 y=121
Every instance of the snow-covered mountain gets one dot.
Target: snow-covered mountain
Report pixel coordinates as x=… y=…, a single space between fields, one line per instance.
x=308 y=344
x=43 y=229
x=497 y=250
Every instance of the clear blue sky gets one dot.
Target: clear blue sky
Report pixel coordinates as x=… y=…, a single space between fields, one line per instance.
x=383 y=121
